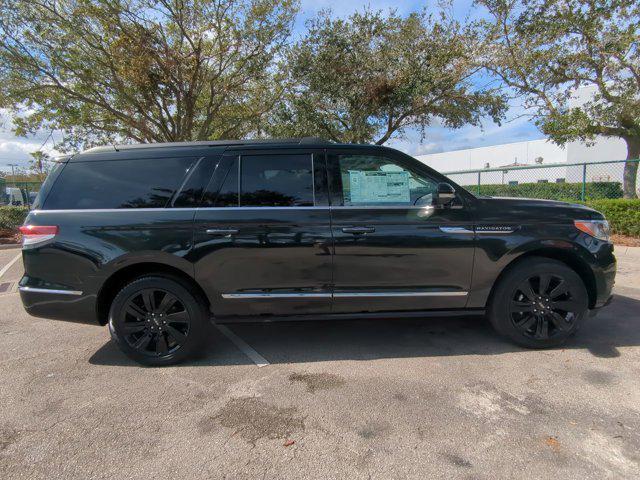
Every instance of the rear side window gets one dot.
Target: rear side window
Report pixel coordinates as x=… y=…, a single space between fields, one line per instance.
x=46 y=186
x=276 y=181
x=147 y=183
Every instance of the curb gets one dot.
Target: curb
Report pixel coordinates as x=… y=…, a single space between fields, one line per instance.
x=9 y=246
x=622 y=251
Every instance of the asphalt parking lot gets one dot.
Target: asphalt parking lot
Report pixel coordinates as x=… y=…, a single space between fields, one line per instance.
x=419 y=398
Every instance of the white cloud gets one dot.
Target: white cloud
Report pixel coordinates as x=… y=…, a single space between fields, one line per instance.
x=17 y=150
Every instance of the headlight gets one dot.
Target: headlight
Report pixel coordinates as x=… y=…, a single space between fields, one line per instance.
x=596 y=228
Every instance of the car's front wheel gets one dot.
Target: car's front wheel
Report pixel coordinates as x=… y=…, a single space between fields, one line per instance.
x=156 y=320
x=539 y=303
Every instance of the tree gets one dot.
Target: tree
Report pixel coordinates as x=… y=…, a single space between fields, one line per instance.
x=371 y=76
x=41 y=163
x=546 y=49
x=141 y=70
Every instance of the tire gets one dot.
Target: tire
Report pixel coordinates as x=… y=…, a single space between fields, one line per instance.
x=157 y=320
x=539 y=303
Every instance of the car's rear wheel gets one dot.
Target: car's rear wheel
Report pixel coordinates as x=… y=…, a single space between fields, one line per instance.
x=539 y=303
x=156 y=320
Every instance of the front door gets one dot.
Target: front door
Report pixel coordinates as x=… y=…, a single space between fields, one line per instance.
x=262 y=241
x=393 y=250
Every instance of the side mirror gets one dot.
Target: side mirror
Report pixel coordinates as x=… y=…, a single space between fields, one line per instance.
x=444 y=195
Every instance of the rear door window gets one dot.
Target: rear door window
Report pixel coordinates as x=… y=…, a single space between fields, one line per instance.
x=276 y=181
x=145 y=183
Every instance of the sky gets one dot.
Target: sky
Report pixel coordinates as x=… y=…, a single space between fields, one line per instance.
x=438 y=139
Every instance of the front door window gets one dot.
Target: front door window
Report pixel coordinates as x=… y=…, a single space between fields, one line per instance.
x=371 y=180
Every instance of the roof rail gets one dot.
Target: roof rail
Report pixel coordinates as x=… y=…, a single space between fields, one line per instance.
x=210 y=143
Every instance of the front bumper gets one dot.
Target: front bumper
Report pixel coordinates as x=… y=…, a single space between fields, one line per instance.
x=604 y=270
x=594 y=311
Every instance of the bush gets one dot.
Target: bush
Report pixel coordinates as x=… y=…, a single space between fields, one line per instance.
x=12 y=217
x=552 y=191
x=623 y=214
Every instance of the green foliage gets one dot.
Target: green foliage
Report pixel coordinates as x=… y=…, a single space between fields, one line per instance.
x=370 y=76
x=606 y=197
x=12 y=217
x=545 y=50
x=109 y=71
x=551 y=191
x=41 y=164
x=623 y=214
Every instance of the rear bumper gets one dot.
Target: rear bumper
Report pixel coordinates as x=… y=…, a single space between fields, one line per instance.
x=59 y=304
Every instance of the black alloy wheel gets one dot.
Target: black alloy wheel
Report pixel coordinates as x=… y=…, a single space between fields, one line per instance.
x=155 y=322
x=543 y=306
x=538 y=303
x=158 y=320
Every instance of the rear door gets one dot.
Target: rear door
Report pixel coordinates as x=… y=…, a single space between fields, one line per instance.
x=393 y=250
x=262 y=242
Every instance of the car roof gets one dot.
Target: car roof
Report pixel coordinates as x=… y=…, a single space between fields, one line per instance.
x=212 y=143
x=172 y=149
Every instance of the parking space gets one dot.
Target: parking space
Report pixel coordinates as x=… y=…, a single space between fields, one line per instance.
x=10 y=270
x=419 y=398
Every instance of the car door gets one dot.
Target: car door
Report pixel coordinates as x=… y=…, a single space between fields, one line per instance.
x=393 y=250
x=262 y=243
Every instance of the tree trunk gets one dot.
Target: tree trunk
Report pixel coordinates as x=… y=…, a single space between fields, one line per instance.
x=631 y=168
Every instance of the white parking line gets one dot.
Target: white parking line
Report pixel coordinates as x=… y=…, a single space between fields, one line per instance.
x=10 y=264
x=258 y=359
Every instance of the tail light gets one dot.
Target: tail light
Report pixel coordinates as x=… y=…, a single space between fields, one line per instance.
x=33 y=234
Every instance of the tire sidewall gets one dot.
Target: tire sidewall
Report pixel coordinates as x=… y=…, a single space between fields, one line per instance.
x=499 y=313
x=194 y=306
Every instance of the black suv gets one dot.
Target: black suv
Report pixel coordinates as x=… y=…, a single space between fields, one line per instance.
x=156 y=240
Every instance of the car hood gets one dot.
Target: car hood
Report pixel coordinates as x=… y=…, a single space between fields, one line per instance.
x=535 y=208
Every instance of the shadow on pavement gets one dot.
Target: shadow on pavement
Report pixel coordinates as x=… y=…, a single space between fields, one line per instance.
x=290 y=342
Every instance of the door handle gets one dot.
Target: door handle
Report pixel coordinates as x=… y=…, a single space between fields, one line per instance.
x=358 y=230
x=223 y=232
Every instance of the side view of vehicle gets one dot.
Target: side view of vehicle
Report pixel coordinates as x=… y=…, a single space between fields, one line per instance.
x=158 y=240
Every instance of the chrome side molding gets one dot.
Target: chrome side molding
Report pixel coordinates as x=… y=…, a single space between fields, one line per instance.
x=244 y=296
x=275 y=295
x=462 y=230
x=50 y=290
x=454 y=293
x=479 y=230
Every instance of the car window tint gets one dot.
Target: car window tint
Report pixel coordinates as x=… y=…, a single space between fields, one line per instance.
x=191 y=190
x=228 y=194
x=376 y=180
x=46 y=186
x=276 y=181
x=148 y=183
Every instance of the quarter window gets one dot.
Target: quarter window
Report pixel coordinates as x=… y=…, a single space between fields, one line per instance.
x=375 y=180
x=147 y=183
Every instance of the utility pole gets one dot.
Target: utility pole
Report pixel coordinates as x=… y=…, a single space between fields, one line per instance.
x=13 y=172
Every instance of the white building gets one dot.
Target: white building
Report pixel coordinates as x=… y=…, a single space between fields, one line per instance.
x=535 y=152
x=541 y=153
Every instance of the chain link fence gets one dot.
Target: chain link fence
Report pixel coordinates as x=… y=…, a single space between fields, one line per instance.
x=18 y=193
x=560 y=181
